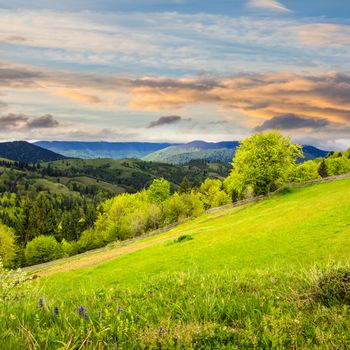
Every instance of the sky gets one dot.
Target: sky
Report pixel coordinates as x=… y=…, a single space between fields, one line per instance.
x=175 y=70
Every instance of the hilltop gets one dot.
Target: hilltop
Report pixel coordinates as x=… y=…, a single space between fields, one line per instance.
x=22 y=151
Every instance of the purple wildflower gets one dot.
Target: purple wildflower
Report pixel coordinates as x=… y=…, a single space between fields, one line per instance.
x=161 y=330
x=55 y=310
x=86 y=316
x=81 y=309
x=41 y=302
x=120 y=309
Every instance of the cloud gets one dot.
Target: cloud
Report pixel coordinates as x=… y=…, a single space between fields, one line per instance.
x=17 y=122
x=257 y=96
x=323 y=34
x=11 y=120
x=292 y=122
x=268 y=4
x=77 y=96
x=168 y=120
x=171 y=42
x=46 y=121
x=18 y=76
x=248 y=98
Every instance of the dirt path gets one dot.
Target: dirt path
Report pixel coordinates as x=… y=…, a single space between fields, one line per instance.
x=102 y=256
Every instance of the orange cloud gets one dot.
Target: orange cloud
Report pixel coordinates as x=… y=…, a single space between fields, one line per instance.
x=258 y=96
x=77 y=96
x=323 y=34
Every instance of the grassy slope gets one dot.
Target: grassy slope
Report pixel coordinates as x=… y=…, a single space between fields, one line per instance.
x=302 y=228
x=246 y=280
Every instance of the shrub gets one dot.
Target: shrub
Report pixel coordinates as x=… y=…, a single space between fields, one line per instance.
x=334 y=287
x=183 y=238
x=42 y=249
x=338 y=166
x=305 y=172
x=69 y=248
x=89 y=239
x=213 y=194
x=11 y=284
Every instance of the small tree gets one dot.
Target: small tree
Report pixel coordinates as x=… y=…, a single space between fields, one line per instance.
x=159 y=191
x=263 y=162
x=213 y=194
x=42 y=249
x=322 y=169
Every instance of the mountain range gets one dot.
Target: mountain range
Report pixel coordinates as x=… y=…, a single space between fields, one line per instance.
x=158 y=152
x=114 y=150
x=151 y=152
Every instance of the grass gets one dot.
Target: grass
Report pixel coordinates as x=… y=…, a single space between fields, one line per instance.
x=248 y=278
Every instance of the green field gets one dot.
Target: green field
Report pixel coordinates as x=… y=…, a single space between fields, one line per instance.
x=248 y=278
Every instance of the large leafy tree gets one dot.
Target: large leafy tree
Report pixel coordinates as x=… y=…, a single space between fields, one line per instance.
x=263 y=162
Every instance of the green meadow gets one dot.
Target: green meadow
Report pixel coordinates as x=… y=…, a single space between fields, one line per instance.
x=263 y=275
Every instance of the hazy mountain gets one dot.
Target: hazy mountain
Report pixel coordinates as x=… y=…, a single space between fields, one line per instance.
x=212 y=152
x=22 y=151
x=311 y=152
x=156 y=152
x=114 y=150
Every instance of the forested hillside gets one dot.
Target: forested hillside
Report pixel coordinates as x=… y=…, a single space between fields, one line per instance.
x=61 y=199
x=22 y=151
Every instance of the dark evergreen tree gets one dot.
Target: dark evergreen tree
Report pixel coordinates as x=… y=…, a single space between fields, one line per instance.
x=184 y=185
x=322 y=169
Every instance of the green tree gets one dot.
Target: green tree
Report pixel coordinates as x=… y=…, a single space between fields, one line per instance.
x=263 y=162
x=346 y=154
x=7 y=246
x=42 y=249
x=322 y=169
x=184 y=185
x=213 y=194
x=42 y=218
x=159 y=191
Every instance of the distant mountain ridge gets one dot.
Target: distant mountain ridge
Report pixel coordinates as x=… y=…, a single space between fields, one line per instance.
x=102 y=149
x=158 y=152
x=22 y=151
x=212 y=152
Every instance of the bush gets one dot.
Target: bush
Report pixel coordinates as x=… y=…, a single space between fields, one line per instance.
x=89 y=239
x=338 y=166
x=42 y=249
x=69 y=248
x=183 y=238
x=213 y=194
x=305 y=172
x=12 y=286
x=334 y=287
